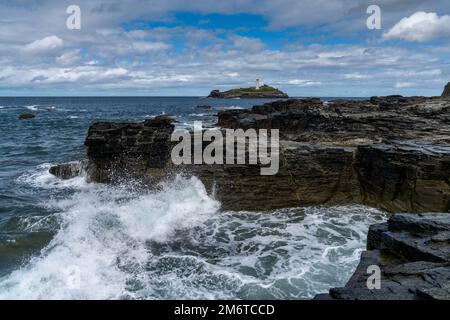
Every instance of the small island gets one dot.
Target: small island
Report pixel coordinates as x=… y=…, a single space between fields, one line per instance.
x=263 y=91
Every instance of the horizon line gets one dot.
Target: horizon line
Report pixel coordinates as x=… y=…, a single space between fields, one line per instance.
x=205 y=97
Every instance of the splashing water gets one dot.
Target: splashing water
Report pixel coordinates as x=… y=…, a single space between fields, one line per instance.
x=176 y=243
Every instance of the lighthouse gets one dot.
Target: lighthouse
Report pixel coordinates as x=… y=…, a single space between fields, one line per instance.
x=258 y=84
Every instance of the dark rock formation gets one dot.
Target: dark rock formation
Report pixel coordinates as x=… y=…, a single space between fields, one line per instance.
x=206 y=107
x=395 y=102
x=348 y=123
x=263 y=92
x=26 y=116
x=136 y=150
x=308 y=175
x=162 y=120
x=446 y=92
x=216 y=94
x=387 y=152
x=339 y=152
x=69 y=170
x=290 y=115
x=413 y=253
x=405 y=176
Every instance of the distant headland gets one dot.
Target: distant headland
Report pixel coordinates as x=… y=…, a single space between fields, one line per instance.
x=263 y=91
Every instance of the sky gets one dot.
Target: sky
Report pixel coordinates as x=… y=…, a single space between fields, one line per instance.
x=188 y=48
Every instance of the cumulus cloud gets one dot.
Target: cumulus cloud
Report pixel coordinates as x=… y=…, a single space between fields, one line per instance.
x=148 y=47
x=45 y=44
x=247 y=43
x=415 y=73
x=111 y=51
x=420 y=27
x=402 y=85
x=356 y=75
x=69 y=58
x=301 y=82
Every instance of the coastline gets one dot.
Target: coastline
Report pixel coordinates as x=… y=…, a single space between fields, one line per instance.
x=386 y=152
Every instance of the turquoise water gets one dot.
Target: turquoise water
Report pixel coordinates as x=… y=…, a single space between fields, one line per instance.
x=126 y=243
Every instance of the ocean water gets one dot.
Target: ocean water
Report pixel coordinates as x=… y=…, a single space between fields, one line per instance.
x=122 y=242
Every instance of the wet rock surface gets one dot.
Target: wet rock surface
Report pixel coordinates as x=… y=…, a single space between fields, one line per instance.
x=308 y=175
x=413 y=254
x=69 y=170
x=387 y=152
x=26 y=116
x=348 y=122
x=404 y=176
x=134 y=150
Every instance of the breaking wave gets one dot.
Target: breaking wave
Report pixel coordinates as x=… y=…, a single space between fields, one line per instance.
x=233 y=108
x=40 y=108
x=176 y=243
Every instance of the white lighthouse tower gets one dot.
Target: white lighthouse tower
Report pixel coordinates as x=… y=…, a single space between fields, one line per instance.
x=258 y=84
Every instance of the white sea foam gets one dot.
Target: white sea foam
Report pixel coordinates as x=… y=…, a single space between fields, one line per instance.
x=233 y=108
x=32 y=108
x=103 y=231
x=40 y=108
x=197 y=114
x=41 y=178
x=175 y=243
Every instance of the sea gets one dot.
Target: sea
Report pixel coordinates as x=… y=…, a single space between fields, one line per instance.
x=77 y=240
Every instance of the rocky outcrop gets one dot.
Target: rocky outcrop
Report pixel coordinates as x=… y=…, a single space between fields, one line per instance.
x=396 y=102
x=387 y=152
x=132 y=150
x=338 y=152
x=308 y=175
x=26 y=116
x=348 y=123
x=290 y=115
x=413 y=254
x=69 y=170
x=266 y=92
x=205 y=107
x=446 y=92
x=405 y=176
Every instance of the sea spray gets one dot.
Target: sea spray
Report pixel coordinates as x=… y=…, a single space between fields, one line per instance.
x=175 y=243
x=102 y=232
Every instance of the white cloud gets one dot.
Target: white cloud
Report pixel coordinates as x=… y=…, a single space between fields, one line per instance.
x=356 y=75
x=303 y=83
x=69 y=58
x=246 y=43
x=200 y=69
x=140 y=59
x=45 y=44
x=147 y=47
x=414 y=73
x=402 y=85
x=420 y=27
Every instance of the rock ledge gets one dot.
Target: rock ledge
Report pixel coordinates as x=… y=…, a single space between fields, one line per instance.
x=413 y=253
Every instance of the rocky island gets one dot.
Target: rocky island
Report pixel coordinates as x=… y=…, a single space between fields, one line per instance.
x=391 y=153
x=265 y=91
